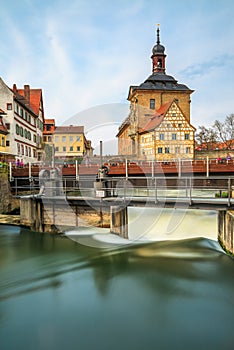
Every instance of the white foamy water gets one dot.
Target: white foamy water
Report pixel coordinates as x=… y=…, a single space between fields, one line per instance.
x=152 y=224
x=171 y=224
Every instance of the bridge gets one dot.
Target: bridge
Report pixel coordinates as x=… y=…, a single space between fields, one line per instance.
x=179 y=167
x=56 y=207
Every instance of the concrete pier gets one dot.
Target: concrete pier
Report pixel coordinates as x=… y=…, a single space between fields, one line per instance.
x=119 y=221
x=225 y=229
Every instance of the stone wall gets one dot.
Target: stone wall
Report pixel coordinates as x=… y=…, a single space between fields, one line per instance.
x=6 y=199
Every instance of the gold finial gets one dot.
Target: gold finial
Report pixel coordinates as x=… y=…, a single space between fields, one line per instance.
x=158 y=25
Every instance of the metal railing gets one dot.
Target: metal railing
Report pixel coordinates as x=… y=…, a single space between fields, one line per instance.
x=185 y=188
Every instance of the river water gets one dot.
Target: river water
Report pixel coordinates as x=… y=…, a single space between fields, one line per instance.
x=173 y=289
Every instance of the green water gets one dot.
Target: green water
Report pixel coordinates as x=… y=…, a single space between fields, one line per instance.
x=58 y=294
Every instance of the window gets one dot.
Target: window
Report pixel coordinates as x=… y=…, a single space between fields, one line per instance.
x=17 y=129
x=177 y=150
x=44 y=138
x=142 y=139
x=29 y=151
x=64 y=149
x=56 y=149
x=71 y=138
x=160 y=150
x=152 y=103
x=168 y=125
x=77 y=138
x=71 y=148
x=34 y=138
x=173 y=136
x=8 y=143
x=161 y=137
x=22 y=149
x=21 y=112
x=186 y=136
x=63 y=138
x=8 y=126
x=187 y=150
x=34 y=153
x=78 y=148
x=167 y=150
x=3 y=142
x=49 y=138
x=56 y=139
x=9 y=106
x=26 y=150
x=48 y=127
x=18 y=148
x=180 y=125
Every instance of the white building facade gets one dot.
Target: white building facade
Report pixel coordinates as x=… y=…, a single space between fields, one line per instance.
x=24 y=119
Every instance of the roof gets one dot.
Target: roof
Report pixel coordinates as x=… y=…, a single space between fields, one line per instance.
x=160 y=114
x=159 y=81
x=2 y=112
x=156 y=120
x=35 y=99
x=69 y=129
x=3 y=129
x=49 y=121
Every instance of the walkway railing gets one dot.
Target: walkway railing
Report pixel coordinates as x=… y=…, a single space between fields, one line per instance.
x=212 y=189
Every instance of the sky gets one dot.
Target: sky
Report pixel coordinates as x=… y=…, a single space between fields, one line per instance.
x=86 y=53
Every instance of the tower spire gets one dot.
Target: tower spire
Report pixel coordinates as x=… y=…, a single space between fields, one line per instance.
x=158 y=57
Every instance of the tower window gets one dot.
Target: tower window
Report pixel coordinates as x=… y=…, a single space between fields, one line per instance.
x=152 y=103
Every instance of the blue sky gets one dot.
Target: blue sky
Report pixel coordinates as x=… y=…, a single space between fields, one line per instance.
x=84 y=53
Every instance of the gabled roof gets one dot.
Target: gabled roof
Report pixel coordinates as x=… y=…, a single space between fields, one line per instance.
x=156 y=120
x=159 y=116
x=35 y=99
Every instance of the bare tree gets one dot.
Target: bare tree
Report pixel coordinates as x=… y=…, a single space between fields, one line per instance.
x=225 y=131
x=206 y=137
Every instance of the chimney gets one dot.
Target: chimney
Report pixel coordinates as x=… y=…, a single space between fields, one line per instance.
x=14 y=88
x=27 y=94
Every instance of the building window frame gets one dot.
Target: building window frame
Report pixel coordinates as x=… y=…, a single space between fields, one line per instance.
x=160 y=150
x=161 y=137
x=152 y=103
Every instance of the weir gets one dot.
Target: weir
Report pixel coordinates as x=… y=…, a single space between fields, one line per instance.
x=52 y=210
x=56 y=213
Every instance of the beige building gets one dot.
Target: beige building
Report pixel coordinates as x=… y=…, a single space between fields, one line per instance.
x=168 y=135
x=160 y=94
x=70 y=142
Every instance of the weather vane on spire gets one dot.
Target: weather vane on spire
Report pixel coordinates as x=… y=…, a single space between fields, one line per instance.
x=158 y=38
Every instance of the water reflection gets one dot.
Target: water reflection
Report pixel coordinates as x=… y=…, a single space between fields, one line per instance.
x=176 y=294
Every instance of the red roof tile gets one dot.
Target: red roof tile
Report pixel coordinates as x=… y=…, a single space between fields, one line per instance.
x=35 y=99
x=156 y=120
